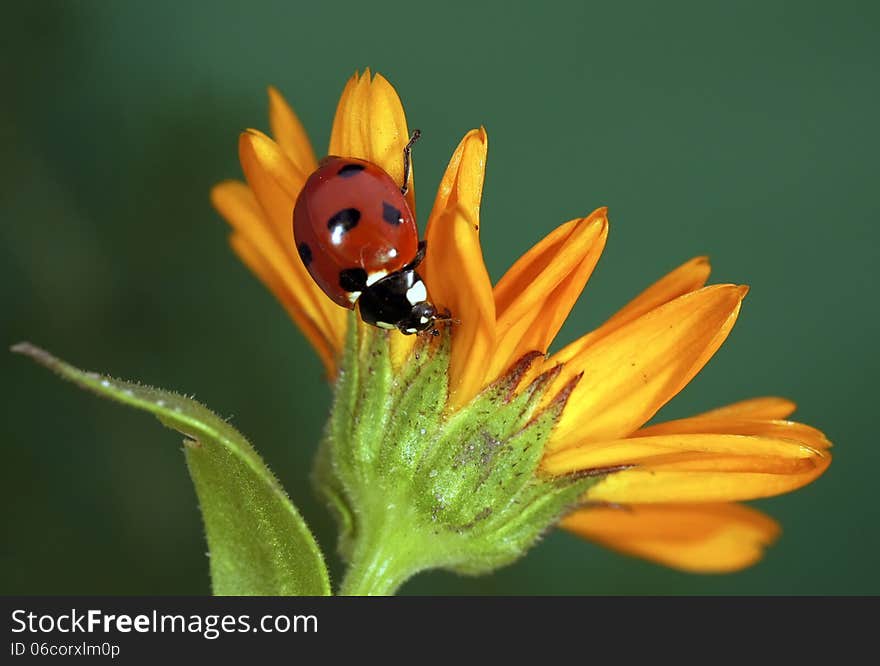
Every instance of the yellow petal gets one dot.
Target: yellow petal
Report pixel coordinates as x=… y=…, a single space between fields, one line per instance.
x=237 y=204
x=276 y=183
x=733 y=425
x=290 y=134
x=691 y=486
x=534 y=297
x=340 y=125
x=698 y=538
x=769 y=407
x=680 y=450
x=401 y=347
x=370 y=124
x=251 y=257
x=454 y=271
x=274 y=180
x=691 y=468
x=255 y=244
x=688 y=277
x=633 y=371
x=346 y=133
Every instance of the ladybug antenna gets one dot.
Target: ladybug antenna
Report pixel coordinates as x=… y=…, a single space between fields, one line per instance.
x=407 y=160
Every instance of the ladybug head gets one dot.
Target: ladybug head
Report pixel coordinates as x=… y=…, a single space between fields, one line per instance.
x=399 y=301
x=421 y=318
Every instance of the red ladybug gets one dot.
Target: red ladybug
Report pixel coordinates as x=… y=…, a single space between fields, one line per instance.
x=358 y=239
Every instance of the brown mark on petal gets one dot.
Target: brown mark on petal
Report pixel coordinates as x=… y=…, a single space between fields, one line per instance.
x=509 y=381
x=557 y=404
x=560 y=399
x=544 y=379
x=599 y=504
x=595 y=471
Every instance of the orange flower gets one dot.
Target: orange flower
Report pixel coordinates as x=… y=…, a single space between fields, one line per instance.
x=667 y=491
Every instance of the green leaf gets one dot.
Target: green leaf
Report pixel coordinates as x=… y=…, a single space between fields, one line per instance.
x=259 y=543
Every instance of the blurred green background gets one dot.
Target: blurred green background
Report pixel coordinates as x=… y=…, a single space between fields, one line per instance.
x=747 y=131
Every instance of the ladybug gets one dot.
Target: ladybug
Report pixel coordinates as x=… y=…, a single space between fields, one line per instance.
x=357 y=236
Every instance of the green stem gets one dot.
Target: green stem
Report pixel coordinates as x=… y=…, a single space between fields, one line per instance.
x=384 y=558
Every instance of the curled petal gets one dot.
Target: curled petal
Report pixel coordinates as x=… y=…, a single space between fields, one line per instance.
x=370 y=124
x=454 y=271
x=289 y=298
x=535 y=296
x=691 y=468
x=632 y=372
x=290 y=134
x=276 y=183
x=698 y=538
x=685 y=279
x=688 y=277
x=237 y=204
x=256 y=245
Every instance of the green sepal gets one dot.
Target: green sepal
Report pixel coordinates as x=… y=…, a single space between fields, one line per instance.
x=258 y=542
x=416 y=485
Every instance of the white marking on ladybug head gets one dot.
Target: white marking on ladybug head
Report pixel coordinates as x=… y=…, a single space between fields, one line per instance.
x=353 y=296
x=423 y=320
x=373 y=278
x=417 y=293
x=382 y=324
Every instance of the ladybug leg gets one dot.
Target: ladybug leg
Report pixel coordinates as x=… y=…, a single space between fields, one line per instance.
x=407 y=160
x=420 y=256
x=446 y=316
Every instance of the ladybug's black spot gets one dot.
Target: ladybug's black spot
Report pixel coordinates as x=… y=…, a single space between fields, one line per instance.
x=349 y=170
x=305 y=253
x=391 y=214
x=353 y=279
x=343 y=221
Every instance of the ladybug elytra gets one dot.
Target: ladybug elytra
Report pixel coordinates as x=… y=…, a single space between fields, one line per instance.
x=357 y=236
